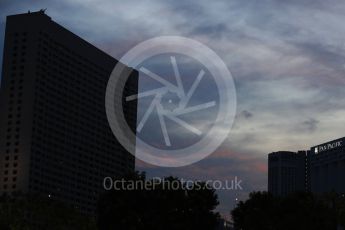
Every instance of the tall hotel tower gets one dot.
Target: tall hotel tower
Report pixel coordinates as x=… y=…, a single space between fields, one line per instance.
x=287 y=172
x=54 y=135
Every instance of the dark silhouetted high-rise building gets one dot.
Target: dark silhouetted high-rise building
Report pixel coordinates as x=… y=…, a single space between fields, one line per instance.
x=327 y=167
x=322 y=168
x=287 y=172
x=54 y=136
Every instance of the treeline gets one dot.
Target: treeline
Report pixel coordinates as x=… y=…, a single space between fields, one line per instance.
x=263 y=211
x=122 y=209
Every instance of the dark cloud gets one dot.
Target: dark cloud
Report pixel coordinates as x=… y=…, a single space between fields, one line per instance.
x=316 y=4
x=310 y=125
x=188 y=9
x=246 y=114
x=329 y=56
x=217 y=30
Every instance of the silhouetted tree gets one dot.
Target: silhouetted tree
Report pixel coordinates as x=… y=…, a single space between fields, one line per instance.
x=296 y=211
x=340 y=203
x=161 y=207
x=26 y=212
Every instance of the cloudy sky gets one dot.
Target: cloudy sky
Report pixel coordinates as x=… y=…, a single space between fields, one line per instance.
x=287 y=59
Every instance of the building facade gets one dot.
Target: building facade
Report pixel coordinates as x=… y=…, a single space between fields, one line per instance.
x=327 y=167
x=54 y=135
x=322 y=169
x=287 y=172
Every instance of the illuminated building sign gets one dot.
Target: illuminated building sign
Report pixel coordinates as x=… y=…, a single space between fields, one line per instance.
x=329 y=146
